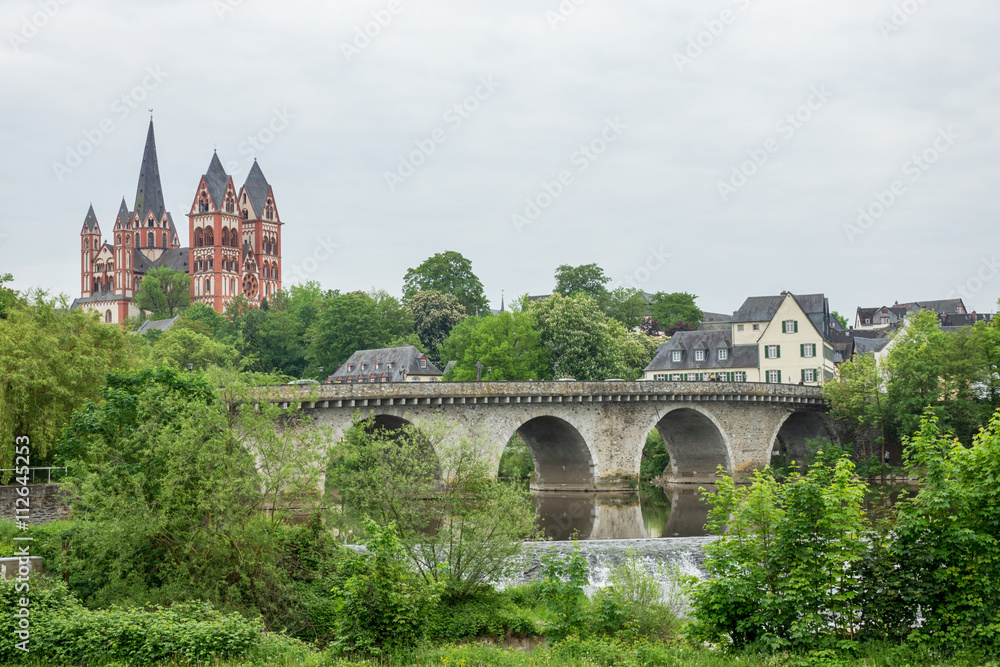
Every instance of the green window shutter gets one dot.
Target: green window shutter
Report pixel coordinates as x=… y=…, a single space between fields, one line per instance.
x=803 y=378
x=779 y=354
x=796 y=326
x=802 y=350
x=779 y=377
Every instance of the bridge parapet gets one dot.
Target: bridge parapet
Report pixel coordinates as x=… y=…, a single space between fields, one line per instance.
x=517 y=393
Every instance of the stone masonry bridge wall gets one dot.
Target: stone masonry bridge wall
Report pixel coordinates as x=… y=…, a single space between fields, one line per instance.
x=590 y=435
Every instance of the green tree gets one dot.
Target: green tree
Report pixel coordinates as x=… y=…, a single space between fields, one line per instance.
x=164 y=292
x=782 y=573
x=508 y=342
x=449 y=273
x=390 y=475
x=180 y=346
x=676 y=309
x=173 y=477
x=627 y=305
x=52 y=359
x=347 y=323
x=587 y=278
x=857 y=397
x=585 y=343
x=8 y=297
x=947 y=535
x=434 y=316
x=840 y=319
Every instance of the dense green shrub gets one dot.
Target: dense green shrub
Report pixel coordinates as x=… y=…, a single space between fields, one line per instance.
x=383 y=606
x=561 y=589
x=655 y=457
x=485 y=613
x=781 y=574
x=65 y=632
x=516 y=462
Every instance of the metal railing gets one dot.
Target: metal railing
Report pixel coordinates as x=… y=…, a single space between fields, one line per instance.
x=33 y=473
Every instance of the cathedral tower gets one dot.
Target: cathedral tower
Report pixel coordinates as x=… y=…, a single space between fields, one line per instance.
x=214 y=229
x=261 y=236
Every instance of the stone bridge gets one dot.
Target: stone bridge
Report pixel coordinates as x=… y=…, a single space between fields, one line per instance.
x=589 y=436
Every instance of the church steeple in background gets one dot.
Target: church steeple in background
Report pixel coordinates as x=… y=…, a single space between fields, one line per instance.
x=149 y=193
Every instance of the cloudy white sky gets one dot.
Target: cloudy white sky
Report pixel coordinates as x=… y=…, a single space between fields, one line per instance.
x=670 y=98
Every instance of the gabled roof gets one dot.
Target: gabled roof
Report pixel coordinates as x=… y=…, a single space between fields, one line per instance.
x=869 y=345
x=740 y=356
x=156 y=325
x=257 y=188
x=405 y=361
x=216 y=179
x=941 y=307
x=90 y=225
x=758 y=309
x=178 y=259
x=149 y=192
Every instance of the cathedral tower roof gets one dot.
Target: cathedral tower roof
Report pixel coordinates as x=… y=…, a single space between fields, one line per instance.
x=257 y=188
x=123 y=214
x=149 y=193
x=90 y=225
x=216 y=179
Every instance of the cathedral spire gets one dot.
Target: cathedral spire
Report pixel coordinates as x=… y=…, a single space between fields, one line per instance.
x=90 y=225
x=149 y=194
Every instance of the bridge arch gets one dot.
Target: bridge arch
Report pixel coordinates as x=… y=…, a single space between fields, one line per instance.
x=561 y=455
x=696 y=442
x=791 y=438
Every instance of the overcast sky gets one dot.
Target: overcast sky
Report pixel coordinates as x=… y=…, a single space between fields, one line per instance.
x=720 y=148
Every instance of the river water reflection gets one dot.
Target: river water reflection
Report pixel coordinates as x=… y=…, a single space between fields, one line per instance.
x=651 y=512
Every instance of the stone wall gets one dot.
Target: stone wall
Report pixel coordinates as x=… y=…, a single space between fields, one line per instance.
x=47 y=503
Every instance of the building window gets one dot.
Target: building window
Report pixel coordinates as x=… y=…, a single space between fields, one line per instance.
x=150 y=240
x=756 y=327
x=885 y=320
x=774 y=377
x=678 y=377
x=790 y=326
x=739 y=327
x=423 y=363
x=699 y=355
x=364 y=365
x=107 y=316
x=723 y=354
x=808 y=375
x=809 y=350
x=772 y=352
x=740 y=376
x=164 y=241
x=675 y=356
x=868 y=320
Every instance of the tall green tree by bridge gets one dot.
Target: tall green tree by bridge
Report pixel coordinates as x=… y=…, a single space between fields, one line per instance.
x=449 y=273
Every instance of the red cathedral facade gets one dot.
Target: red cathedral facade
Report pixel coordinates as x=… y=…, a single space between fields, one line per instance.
x=235 y=242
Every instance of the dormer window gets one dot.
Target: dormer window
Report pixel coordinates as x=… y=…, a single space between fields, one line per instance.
x=350 y=367
x=364 y=364
x=723 y=354
x=423 y=363
x=675 y=356
x=378 y=365
x=699 y=355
